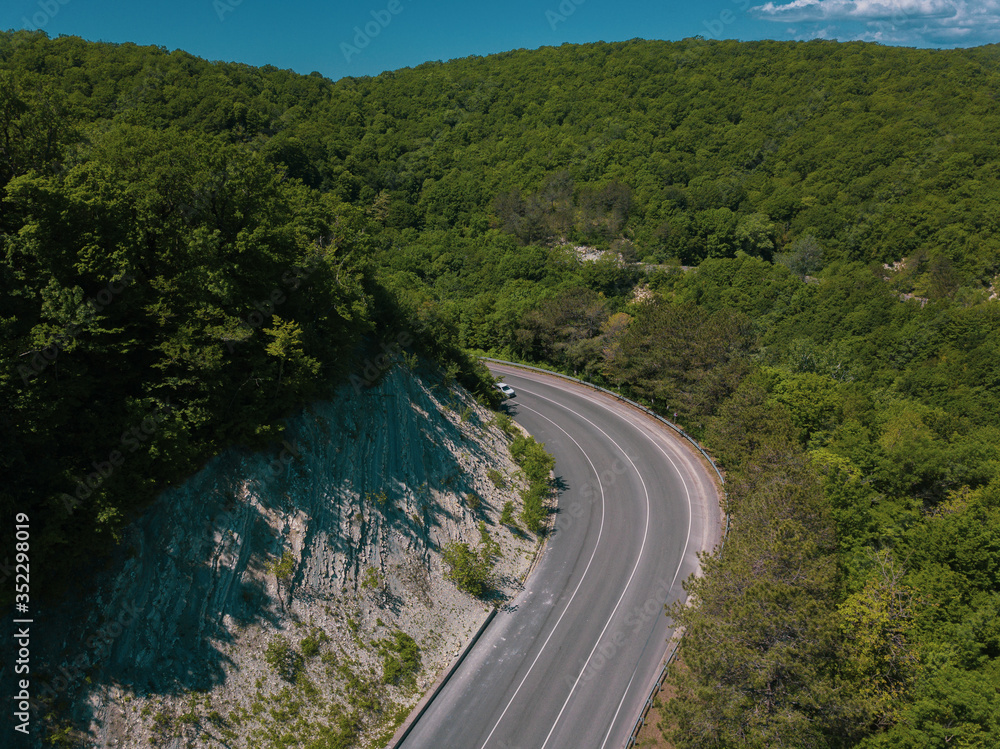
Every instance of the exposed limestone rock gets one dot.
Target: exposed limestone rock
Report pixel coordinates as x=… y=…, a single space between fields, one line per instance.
x=335 y=537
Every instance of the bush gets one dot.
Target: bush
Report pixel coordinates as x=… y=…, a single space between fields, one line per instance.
x=400 y=659
x=537 y=465
x=372 y=579
x=507 y=514
x=283 y=659
x=309 y=647
x=531 y=456
x=534 y=509
x=284 y=567
x=506 y=424
x=472 y=501
x=471 y=571
x=489 y=546
x=496 y=478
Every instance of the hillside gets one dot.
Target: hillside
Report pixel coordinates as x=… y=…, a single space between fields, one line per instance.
x=687 y=149
x=788 y=248
x=302 y=594
x=165 y=294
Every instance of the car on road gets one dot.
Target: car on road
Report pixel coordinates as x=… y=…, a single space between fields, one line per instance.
x=506 y=389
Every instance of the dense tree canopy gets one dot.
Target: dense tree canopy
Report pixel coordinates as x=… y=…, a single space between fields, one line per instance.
x=690 y=149
x=788 y=247
x=164 y=292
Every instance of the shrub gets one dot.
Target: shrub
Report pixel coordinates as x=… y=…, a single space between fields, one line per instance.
x=284 y=567
x=400 y=659
x=537 y=465
x=472 y=501
x=489 y=546
x=532 y=458
x=469 y=570
x=507 y=514
x=371 y=579
x=309 y=647
x=497 y=478
x=534 y=509
x=283 y=659
x=506 y=424
x=380 y=497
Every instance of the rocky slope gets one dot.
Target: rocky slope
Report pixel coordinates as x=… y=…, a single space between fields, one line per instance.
x=271 y=599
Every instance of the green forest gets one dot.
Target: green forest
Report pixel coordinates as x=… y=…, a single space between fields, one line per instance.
x=792 y=247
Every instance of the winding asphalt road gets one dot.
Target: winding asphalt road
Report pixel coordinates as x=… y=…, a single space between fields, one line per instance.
x=571 y=662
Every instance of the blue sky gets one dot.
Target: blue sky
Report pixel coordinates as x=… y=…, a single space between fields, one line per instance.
x=367 y=37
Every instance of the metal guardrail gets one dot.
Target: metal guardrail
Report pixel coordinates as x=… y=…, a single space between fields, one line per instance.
x=633 y=737
x=641 y=720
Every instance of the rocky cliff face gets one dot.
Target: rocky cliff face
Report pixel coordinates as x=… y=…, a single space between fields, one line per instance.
x=270 y=600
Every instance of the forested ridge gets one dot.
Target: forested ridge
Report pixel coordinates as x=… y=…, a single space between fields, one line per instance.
x=799 y=244
x=166 y=293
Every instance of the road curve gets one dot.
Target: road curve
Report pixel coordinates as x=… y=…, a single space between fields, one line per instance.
x=571 y=661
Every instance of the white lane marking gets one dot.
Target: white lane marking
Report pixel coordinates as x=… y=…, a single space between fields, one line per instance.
x=600 y=400
x=687 y=492
x=628 y=584
x=600 y=532
x=595 y=400
x=672 y=582
x=624 y=695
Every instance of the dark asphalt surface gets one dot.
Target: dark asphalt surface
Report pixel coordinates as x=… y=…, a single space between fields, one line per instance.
x=571 y=662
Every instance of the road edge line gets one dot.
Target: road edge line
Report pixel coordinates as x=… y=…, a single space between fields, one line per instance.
x=723 y=499
x=421 y=707
x=425 y=702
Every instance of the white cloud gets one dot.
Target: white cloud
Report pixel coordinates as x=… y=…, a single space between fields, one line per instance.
x=858 y=10
x=935 y=22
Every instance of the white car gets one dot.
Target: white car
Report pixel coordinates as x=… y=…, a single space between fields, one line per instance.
x=506 y=389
